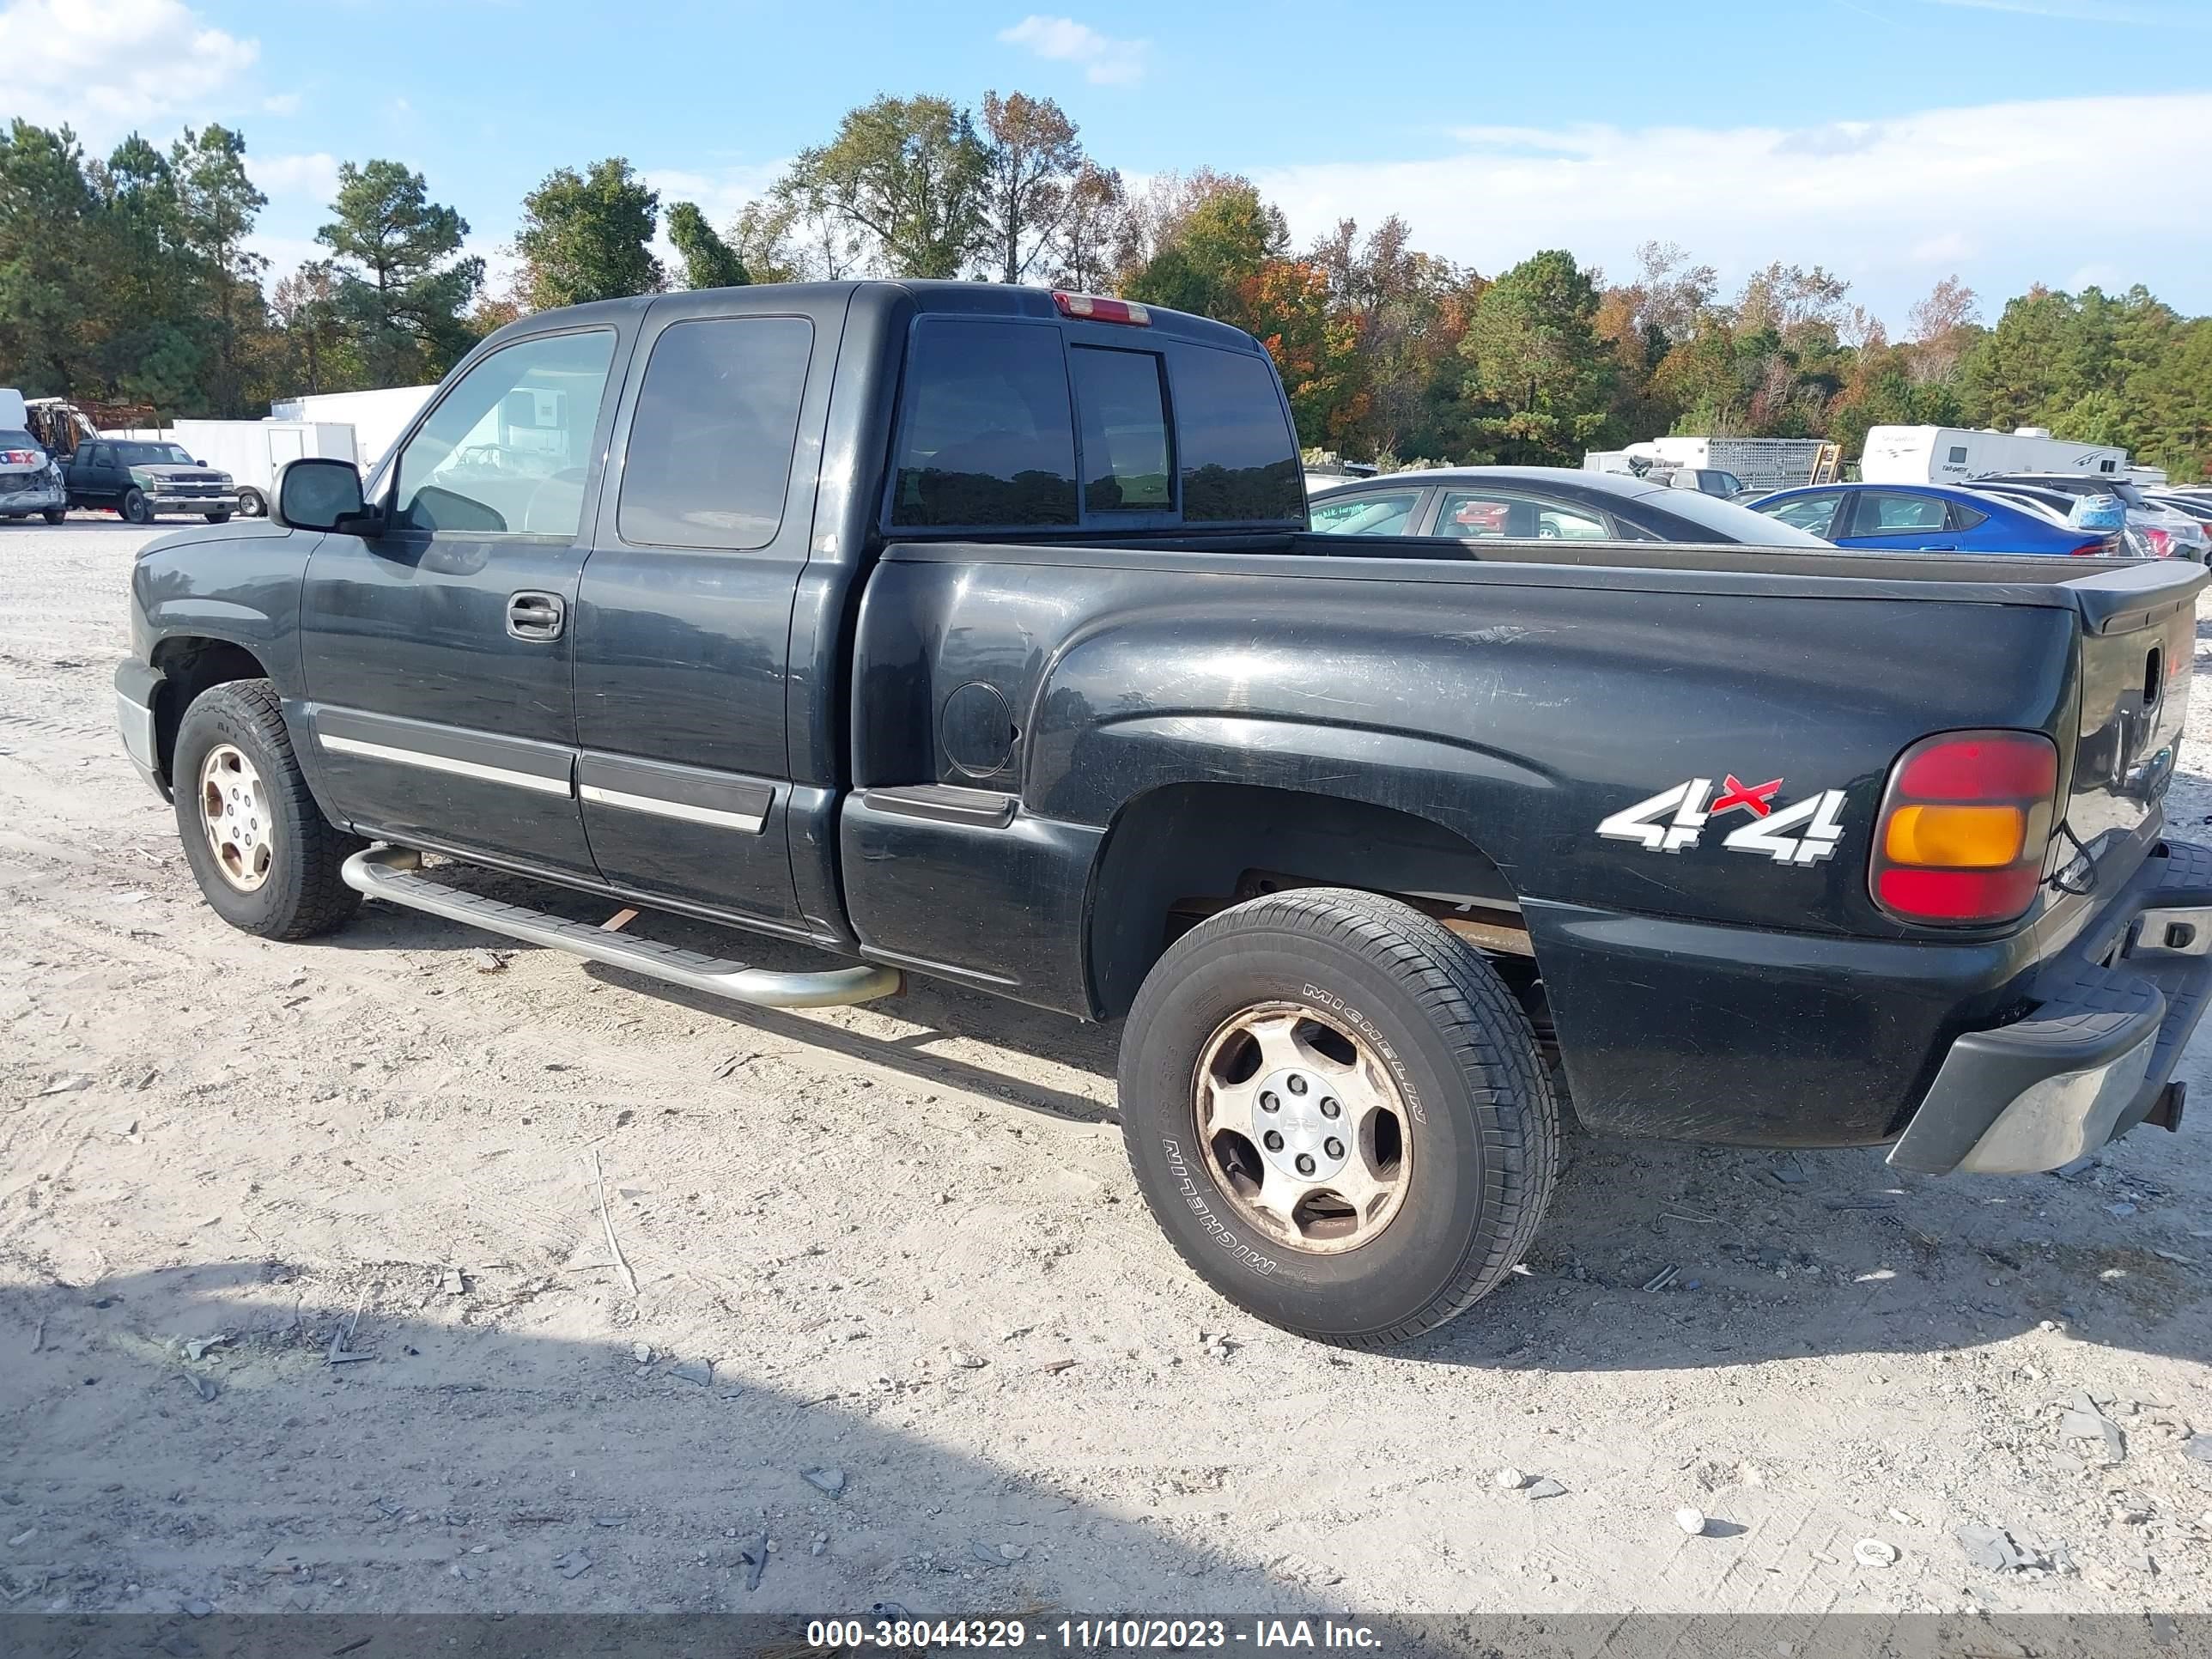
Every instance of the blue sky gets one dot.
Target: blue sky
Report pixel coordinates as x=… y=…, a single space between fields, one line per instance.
x=1896 y=141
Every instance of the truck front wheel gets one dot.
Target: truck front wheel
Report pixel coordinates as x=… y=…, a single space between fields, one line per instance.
x=135 y=508
x=252 y=504
x=1337 y=1112
x=265 y=857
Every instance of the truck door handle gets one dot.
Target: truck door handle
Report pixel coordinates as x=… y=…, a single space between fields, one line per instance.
x=535 y=615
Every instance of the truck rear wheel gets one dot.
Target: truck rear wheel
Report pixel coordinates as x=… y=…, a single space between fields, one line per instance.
x=252 y=504
x=265 y=857
x=1337 y=1112
x=55 y=514
x=135 y=508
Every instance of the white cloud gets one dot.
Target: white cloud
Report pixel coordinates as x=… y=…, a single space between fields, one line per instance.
x=1106 y=62
x=105 y=67
x=284 y=103
x=1893 y=204
x=314 y=177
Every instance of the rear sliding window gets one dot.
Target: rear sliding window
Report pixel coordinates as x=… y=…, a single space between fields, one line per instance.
x=1126 y=466
x=989 y=422
x=987 y=437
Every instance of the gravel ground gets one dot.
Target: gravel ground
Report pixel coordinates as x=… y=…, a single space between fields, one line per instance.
x=901 y=1244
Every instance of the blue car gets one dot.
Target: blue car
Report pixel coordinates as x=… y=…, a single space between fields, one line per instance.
x=1931 y=518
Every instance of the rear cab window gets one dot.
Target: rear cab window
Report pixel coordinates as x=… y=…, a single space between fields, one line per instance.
x=1120 y=400
x=988 y=434
x=708 y=463
x=1012 y=423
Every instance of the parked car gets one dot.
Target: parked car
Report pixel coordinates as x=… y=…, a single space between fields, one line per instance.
x=2160 y=532
x=1931 y=518
x=141 y=480
x=1541 y=503
x=975 y=632
x=2198 y=508
x=29 y=481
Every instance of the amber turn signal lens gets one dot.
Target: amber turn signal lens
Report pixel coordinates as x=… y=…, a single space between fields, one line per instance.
x=1955 y=838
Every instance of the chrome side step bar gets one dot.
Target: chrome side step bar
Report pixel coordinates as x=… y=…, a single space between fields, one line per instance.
x=392 y=874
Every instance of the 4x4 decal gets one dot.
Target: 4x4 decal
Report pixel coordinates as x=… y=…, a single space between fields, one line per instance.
x=1675 y=818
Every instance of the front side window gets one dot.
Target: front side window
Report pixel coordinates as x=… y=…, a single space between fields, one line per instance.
x=1383 y=513
x=1812 y=514
x=508 y=449
x=1239 y=457
x=1122 y=404
x=985 y=437
x=709 y=455
x=1482 y=515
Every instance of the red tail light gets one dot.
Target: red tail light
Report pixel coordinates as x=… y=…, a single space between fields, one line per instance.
x=2096 y=550
x=2160 y=542
x=1097 y=309
x=1964 y=827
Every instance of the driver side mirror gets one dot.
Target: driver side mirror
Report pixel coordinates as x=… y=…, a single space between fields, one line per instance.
x=319 y=492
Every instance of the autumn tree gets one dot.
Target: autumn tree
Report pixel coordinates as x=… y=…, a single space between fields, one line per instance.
x=1031 y=160
x=1406 y=312
x=708 y=261
x=1083 y=243
x=588 y=236
x=1206 y=254
x=1941 y=327
x=402 y=284
x=905 y=176
x=305 y=307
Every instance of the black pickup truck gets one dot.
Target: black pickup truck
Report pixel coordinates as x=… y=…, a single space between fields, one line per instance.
x=976 y=632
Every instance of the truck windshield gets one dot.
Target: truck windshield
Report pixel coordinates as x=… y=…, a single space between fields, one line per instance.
x=152 y=455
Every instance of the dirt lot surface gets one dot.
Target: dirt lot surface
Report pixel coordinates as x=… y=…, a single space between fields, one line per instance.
x=899 y=1247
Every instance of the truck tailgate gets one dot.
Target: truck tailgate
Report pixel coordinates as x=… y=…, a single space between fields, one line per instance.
x=2137 y=658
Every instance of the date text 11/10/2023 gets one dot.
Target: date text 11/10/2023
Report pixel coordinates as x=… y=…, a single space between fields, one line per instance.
x=1088 y=1634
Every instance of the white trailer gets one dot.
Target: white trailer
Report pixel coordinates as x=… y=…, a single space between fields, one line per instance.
x=377 y=417
x=1757 y=463
x=252 y=451
x=1950 y=454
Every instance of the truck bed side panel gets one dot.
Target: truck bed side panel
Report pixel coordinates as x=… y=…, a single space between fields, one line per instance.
x=1518 y=715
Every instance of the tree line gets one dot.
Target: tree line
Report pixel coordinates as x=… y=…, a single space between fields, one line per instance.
x=129 y=279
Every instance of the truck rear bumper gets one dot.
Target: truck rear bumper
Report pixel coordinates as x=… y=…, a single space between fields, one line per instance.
x=2092 y=1059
